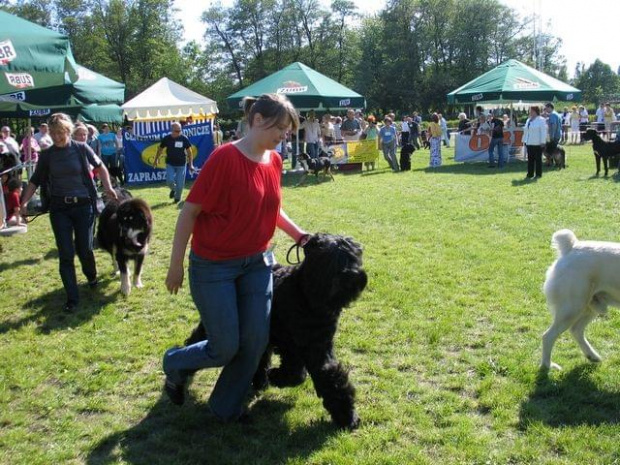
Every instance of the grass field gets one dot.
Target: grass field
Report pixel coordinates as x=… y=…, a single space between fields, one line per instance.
x=443 y=345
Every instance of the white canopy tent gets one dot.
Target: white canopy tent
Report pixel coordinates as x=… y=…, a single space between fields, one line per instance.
x=167 y=100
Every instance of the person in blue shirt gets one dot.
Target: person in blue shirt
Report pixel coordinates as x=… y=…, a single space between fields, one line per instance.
x=107 y=147
x=554 y=123
x=387 y=143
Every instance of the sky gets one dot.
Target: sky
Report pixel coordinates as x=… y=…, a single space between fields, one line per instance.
x=587 y=28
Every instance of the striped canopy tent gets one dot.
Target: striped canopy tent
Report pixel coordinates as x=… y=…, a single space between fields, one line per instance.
x=166 y=101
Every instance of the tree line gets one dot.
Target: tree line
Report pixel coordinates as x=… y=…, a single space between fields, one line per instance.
x=406 y=57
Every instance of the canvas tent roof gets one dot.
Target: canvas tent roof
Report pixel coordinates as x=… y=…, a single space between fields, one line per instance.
x=166 y=100
x=513 y=81
x=306 y=88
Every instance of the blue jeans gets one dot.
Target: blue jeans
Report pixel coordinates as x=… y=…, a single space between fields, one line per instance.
x=67 y=221
x=389 y=153
x=313 y=149
x=499 y=143
x=233 y=298
x=175 y=180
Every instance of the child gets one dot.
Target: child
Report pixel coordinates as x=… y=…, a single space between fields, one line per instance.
x=13 y=203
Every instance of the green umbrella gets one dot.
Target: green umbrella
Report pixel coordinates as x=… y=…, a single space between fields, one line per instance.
x=101 y=114
x=305 y=88
x=90 y=88
x=31 y=56
x=513 y=81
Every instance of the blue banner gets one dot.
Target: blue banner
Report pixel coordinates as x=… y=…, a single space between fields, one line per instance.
x=140 y=153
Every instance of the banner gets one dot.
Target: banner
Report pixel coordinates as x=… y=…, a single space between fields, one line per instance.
x=140 y=152
x=361 y=151
x=475 y=148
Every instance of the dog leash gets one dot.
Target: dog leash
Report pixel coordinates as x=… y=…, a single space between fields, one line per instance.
x=296 y=246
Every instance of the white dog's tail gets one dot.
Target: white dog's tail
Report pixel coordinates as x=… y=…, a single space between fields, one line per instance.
x=563 y=241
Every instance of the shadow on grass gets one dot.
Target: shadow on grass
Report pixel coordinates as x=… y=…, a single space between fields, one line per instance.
x=475 y=168
x=572 y=400
x=191 y=434
x=47 y=310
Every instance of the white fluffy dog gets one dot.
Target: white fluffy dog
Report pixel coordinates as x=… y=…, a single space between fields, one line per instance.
x=580 y=285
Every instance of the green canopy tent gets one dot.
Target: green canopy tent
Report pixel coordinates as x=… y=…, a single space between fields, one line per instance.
x=90 y=88
x=306 y=88
x=512 y=81
x=32 y=57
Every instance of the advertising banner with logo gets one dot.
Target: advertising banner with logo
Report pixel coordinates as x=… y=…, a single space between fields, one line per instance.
x=354 y=152
x=475 y=148
x=140 y=152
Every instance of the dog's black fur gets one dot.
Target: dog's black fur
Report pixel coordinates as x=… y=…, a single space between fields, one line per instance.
x=602 y=150
x=315 y=166
x=124 y=231
x=405 y=156
x=555 y=155
x=307 y=301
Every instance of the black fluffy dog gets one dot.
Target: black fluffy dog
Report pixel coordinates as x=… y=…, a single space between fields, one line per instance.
x=555 y=155
x=307 y=302
x=405 y=157
x=602 y=150
x=124 y=231
x=315 y=166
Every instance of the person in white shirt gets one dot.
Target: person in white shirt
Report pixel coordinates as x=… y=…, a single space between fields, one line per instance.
x=43 y=138
x=583 y=122
x=444 y=130
x=10 y=141
x=534 y=138
x=404 y=131
x=312 y=134
x=600 y=118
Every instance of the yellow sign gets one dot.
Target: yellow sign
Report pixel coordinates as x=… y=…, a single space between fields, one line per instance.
x=362 y=151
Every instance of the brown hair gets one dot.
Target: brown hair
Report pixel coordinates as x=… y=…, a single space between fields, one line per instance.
x=536 y=109
x=273 y=107
x=435 y=118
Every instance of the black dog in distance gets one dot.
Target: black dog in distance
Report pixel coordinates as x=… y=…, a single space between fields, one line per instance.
x=307 y=302
x=405 y=157
x=315 y=166
x=602 y=150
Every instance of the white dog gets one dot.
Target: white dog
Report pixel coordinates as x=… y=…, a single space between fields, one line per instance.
x=580 y=285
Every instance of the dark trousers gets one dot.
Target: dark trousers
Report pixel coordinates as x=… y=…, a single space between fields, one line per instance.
x=534 y=160
x=415 y=140
x=73 y=231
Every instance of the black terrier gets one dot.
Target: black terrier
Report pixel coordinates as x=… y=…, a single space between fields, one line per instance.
x=405 y=157
x=307 y=301
x=315 y=166
x=602 y=149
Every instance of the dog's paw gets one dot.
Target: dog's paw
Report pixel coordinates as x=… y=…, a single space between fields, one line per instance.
x=594 y=358
x=552 y=366
x=137 y=282
x=351 y=423
x=125 y=285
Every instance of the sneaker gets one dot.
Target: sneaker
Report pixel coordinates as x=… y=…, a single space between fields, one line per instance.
x=175 y=392
x=171 y=195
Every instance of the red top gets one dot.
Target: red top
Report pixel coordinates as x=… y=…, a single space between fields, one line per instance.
x=12 y=202
x=240 y=204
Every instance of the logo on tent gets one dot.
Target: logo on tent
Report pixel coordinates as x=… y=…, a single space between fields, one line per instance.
x=7 y=52
x=20 y=80
x=291 y=87
x=570 y=97
x=524 y=84
x=344 y=103
x=476 y=97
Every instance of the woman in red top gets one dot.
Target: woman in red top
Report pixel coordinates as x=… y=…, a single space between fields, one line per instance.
x=231 y=213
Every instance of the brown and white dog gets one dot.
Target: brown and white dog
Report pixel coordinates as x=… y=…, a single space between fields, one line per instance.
x=124 y=231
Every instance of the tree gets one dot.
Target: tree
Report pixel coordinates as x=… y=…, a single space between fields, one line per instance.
x=598 y=81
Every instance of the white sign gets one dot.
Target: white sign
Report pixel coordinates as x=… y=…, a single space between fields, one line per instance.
x=20 y=80
x=7 y=52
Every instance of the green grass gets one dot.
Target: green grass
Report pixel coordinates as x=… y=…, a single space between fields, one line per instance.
x=443 y=345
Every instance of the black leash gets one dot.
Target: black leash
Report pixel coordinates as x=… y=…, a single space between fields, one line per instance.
x=296 y=247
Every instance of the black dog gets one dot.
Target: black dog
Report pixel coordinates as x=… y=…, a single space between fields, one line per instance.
x=602 y=150
x=555 y=155
x=315 y=166
x=405 y=157
x=124 y=230
x=307 y=301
